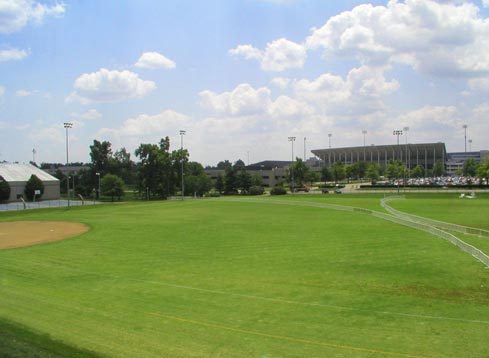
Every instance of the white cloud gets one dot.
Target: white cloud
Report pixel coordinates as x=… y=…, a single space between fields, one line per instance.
x=243 y=100
x=13 y=55
x=109 y=86
x=285 y=106
x=154 y=60
x=24 y=93
x=247 y=51
x=2 y=91
x=279 y=55
x=479 y=84
x=91 y=114
x=440 y=38
x=485 y=3
x=280 y=82
x=16 y=14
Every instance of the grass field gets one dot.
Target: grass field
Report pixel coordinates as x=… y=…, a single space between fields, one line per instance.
x=215 y=278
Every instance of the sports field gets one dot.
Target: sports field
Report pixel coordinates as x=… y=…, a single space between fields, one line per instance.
x=219 y=278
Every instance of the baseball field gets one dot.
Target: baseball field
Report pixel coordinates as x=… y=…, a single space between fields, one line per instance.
x=243 y=278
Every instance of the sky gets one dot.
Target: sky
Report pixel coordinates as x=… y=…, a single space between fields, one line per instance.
x=241 y=76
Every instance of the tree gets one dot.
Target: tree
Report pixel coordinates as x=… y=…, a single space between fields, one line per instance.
x=239 y=164
x=483 y=171
x=470 y=167
x=395 y=169
x=224 y=165
x=256 y=180
x=418 y=171
x=33 y=184
x=299 y=170
x=231 y=181
x=361 y=168
x=196 y=181
x=101 y=155
x=219 y=184
x=439 y=169
x=112 y=185
x=373 y=172
x=244 y=180
x=4 y=190
x=338 y=171
x=325 y=174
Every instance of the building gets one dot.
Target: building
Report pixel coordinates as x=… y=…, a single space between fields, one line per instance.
x=455 y=161
x=17 y=175
x=424 y=154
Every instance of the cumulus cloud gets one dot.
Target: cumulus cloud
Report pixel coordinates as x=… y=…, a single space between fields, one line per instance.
x=25 y=93
x=91 y=114
x=479 y=84
x=279 y=55
x=109 y=86
x=280 y=82
x=441 y=38
x=16 y=14
x=154 y=60
x=13 y=55
x=243 y=100
x=361 y=92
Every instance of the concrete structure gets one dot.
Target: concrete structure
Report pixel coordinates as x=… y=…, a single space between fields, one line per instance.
x=17 y=176
x=424 y=154
x=455 y=161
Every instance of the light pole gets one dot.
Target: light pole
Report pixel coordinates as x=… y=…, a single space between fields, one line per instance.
x=406 y=129
x=465 y=136
x=397 y=133
x=329 y=137
x=67 y=125
x=98 y=174
x=292 y=140
x=182 y=133
x=364 y=132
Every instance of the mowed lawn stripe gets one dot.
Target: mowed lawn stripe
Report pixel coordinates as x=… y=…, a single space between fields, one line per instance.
x=291 y=253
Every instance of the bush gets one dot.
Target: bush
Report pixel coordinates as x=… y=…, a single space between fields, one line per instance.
x=4 y=190
x=256 y=190
x=33 y=184
x=278 y=190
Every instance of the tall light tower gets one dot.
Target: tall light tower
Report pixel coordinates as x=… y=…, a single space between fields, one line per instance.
x=67 y=125
x=406 y=129
x=329 y=136
x=182 y=133
x=465 y=136
x=364 y=132
x=292 y=140
x=397 y=133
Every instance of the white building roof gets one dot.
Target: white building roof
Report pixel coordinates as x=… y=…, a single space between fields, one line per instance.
x=13 y=172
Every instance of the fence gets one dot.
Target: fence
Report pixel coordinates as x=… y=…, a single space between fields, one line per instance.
x=471 y=250
x=43 y=204
x=432 y=222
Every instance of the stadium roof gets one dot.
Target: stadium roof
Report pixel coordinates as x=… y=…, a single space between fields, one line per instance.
x=14 y=172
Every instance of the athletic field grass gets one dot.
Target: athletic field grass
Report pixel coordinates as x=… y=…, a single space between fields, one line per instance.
x=216 y=278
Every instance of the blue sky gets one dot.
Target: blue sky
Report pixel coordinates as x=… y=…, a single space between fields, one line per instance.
x=240 y=76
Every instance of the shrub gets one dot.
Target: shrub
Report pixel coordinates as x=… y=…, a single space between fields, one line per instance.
x=256 y=190
x=278 y=190
x=33 y=184
x=4 y=190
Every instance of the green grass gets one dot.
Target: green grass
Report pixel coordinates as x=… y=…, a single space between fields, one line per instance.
x=213 y=278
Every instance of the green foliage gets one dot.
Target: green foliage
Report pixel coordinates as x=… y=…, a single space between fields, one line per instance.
x=256 y=190
x=256 y=180
x=219 y=185
x=373 y=172
x=418 y=172
x=395 y=169
x=4 y=190
x=112 y=186
x=338 y=171
x=439 y=169
x=299 y=171
x=470 y=167
x=483 y=170
x=278 y=190
x=326 y=174
x=33 y=184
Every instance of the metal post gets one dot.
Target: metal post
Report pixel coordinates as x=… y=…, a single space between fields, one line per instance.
x=465 y=136
x=182 y=133
x=67 y=125
x=292 y=140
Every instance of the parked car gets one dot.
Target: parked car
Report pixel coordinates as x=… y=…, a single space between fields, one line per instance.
x=337 y=191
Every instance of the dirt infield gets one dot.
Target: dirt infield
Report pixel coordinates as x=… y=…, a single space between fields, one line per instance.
x=26 y=233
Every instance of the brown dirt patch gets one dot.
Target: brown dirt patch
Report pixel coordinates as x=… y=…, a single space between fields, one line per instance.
x=27 y=233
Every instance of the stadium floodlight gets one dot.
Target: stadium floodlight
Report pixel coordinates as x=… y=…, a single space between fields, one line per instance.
x=465 y=136
x=364 y=132
x=292 y=140
x=67 y=125
x=182 y=133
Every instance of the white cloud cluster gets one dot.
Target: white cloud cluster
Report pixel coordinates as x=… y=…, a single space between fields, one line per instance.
x=279 y=55
x=24 y=93
x=440 y=38
x=2 y=91
x=154 y=60
x=13 y=55
x=243 y=100
x=109 y=86
x=16 y=14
